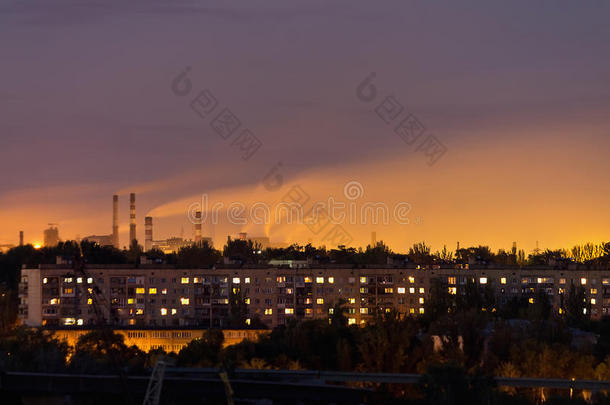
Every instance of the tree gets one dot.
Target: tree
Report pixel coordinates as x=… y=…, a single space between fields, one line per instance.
x=100 y=351
x=28 y=349
x=204 y=352
x=198 y=256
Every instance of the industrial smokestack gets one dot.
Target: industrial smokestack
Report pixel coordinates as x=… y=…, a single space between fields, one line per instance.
x=148 y=233
x=132 y=218
x=115 y=221
x=373 y=239
x=20 y=238
x=198 y=227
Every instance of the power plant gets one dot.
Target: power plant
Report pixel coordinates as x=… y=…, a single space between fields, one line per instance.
x=148 y=233
x=132 y=218
x=115 y=221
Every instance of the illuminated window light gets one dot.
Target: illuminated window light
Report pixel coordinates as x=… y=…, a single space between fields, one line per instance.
x=45 y=280
x=184 y=301
x=54 y=301
x=411 y=290
x=503 y=280
x=89 y=301
x=152 y=291
x=307 y=279
x=331 y=311
x=247 y=280
x=184 y=280
x=89 y=280
x=164 y=311
x=308 y=311
x=421 y=300
x=593 y=301
x=411 y=310
x=79 y=322
x=248 y=321
x=268 y=311
x=319 y=280
x=140 y=290
x=483 y=280
x=389 y=290
x=79 y=280
x=352 y=300
x=401 y=290
x=320 y=301
x=583 y=281
x=452 y=290
x=164 y=291
x=139 y=311
x=236 y=280
x=362 y=281
x=411 y=279
x=247 y=301
x=421 y=310
x=451 y=280
x=422 y=290
x=331 y=280
x=351 y=321
x=364 y=311
x=288 y=311
x=131 y=300
x=531 y=300
x=174 y=311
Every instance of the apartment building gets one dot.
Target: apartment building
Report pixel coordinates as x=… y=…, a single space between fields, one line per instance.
x=153 y=296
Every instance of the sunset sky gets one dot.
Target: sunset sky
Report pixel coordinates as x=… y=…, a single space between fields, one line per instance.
x=518 y=93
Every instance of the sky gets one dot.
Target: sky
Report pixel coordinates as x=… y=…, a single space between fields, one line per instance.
x=517 y=94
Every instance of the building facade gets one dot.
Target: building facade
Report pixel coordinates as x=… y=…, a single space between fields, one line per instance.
x=153 y=296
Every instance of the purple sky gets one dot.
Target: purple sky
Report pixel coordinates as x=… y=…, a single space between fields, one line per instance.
x=518 y=92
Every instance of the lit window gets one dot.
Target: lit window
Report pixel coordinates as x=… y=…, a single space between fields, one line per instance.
x=54 y=301
x=130 y=300
x=140 y=290
x=320 y=301
x=331 y=311
x=174 y=311
x=560 y=311
x=184 y=280
x=562 y=281
x=593 y=291
x=561 y=291
x=152 y=290
x=236 y=280
x=351 y=321
x=164 y=291
x=503 y=280
x=352 y=300
x=89 y=280
x=79 y=280
x=248 y=321
x=362 y=280
x=268 y=311
x=593 y=301
x=411 y=279
x=320 y=280
x=163 y=311
x=280 y=279
x=362 y=290
x=401 y=290
x=308 y=311
x=389 y=290
x=139 y=311
x=483 y=280
x=364 y=311
x=421 y=300
x=531 y=300
x=247 y=280
x=45 y=280
x=452 y=290
x=411 y=310
x=89 y=301
x=331 y=280
x=288 y=311
x=307 y=279
x=421 y=310
x=584 y=311
x=583 y=281
x=69 y=321
x=411 y=290
x=68 y=280
x=247 y=301
x=422 y=290
x=184 y=301
x=79 y=322
x=451 y=280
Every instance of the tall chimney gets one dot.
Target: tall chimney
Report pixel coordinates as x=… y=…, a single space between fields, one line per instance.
x=148 y=233
x=132 y=218
x=115 y=221
x=20 y=238
x=373 y=239
x=198 y=227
